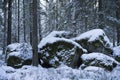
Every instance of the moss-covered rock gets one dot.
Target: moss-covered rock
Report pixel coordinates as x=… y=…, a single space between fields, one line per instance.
x=19 y=54
x=98 y=60
x=56 y=51
x=95 y=41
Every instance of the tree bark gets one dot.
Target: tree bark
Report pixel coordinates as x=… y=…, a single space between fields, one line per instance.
x=5 y=19
x=18 y=19
x=118 y=18
x=34 y=34
x=100 y=15
x=9 y=22
x=24 y=20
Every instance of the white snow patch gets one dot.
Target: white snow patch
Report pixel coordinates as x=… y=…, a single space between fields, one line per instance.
x=3 y=74
x=93 y=68
x=61 y=73
x=116 y=51
x=1 y=52
x=99 y=56
x=58 y=33
x=20 y=55
x=21 y=50
x=13 y=46
x=8 y=69
x=93 y=35
x=51 y=40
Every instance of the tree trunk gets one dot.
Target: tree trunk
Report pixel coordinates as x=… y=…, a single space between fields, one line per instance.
x=5 y=10
x=118 y=18
x=34 y=34
x=31 y=22
x=100 y=15
x=24 y=20
x=18 y=19
x=9 y=22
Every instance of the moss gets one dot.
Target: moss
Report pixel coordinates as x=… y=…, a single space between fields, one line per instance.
x=14 y=62
x=98 y=63
x=60 y=49
x=117 y=58
x=83 y=43
x=27 y=62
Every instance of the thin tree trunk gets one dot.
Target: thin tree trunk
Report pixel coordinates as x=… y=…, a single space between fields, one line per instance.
x=4 y=8
x=24 y=18
x=34 y=33
x=18 y=20
x=118 y=18
x=9 y=22
x=39 y=23
x=100 y=15
x=31 y=23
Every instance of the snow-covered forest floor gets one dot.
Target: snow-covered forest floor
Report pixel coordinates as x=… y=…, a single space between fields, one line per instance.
x=61 y=73
x=100 y=64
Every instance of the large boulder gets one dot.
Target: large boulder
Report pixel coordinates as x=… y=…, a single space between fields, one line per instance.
x=95 y=41
x=54 y=51
x=19 y=54
x=116 y=53
x=98 y=60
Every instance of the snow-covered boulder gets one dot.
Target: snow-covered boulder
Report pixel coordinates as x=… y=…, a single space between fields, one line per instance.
x=56 y=51
x=116 y=53
x=19 y=54
x=99 y=60
x=95 y=41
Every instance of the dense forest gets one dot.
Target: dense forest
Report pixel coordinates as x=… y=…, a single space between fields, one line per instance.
x=76 y=16
x=50 y=33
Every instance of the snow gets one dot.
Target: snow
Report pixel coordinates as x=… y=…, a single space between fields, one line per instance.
x=20 y=55
x=39 y=73
x=95 y=73
x=3 y=74
x=99 y=56
x=93 y=35
x=59 y=34
x=2 y=62
x=93 y=68
x=8 y=69
x=113 y=19
x=61 y=73
x=13 y=46
x=21 y=50
x=115 y=74
x=64 y=54
x=51 y=40
x=116 y=51
x=1 y=52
